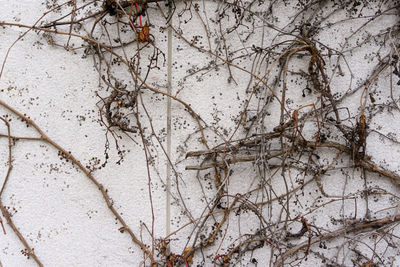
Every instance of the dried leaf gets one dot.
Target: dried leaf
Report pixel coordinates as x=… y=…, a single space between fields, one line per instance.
x=144 y=34
x=190 y=258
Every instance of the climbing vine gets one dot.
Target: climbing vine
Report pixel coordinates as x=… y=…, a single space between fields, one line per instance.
x=282 y=115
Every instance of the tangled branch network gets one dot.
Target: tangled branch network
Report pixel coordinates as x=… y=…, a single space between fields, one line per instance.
x=258 y=132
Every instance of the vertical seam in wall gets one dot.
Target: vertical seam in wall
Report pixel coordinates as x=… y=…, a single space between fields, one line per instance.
x=169 y=118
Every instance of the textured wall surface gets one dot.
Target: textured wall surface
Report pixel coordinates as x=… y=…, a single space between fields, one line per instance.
x=178 y=133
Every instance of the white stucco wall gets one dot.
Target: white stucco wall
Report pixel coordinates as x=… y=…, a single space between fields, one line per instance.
x=62 y=214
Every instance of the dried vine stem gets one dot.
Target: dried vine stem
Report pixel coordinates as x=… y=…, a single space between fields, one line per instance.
x=88 y=174
x=365 y=162
x=28 y=250
x=356 y=227
x=229 y=153
x=300 y=151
